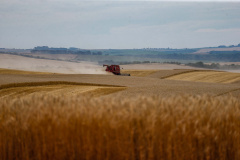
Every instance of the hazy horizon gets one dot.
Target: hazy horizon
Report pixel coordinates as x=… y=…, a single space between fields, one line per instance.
x=25 y=24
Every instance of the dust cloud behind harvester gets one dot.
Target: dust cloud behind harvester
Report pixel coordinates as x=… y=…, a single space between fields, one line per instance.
x=54 y=66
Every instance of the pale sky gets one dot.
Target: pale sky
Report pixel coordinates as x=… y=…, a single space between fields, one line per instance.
x=118 y=24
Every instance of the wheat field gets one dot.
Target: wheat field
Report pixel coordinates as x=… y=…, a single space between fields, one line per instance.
x=140 y=117
x=207 y=76
x=142 y=128
x=149 y=85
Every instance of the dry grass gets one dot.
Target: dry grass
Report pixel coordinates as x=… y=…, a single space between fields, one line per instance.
x=207 y=76
x=143 y=128
x=57 y=88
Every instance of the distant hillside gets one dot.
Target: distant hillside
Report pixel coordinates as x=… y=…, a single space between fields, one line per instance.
x=208 y=50
x=123 y=56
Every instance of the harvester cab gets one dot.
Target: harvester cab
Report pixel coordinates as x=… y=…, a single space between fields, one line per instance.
x=115 y=69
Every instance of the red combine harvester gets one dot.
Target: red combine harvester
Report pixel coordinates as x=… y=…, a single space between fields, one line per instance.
x=115 y=69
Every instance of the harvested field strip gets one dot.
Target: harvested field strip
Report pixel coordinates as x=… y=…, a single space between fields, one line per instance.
x=103 y=91
x=178 y=72
x=162 y=74
x=229 y=92
x=45 y=90
x=166 y=73
x=207 y=76
x=237 y=82
x=56 y=88
x=174 y=128
x=182 y=71
x=139 y=73
x=12 y=71
x=12 y=85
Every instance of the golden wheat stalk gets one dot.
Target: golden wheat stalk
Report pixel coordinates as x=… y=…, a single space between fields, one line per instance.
x=173 y=128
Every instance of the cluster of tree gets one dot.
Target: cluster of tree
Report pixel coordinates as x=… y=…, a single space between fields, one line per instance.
x=214 y=66
x=80 y=52
x=135 y=62
x=109 y=62
x=71 y=50
x=223 y=46
x=178 y=63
